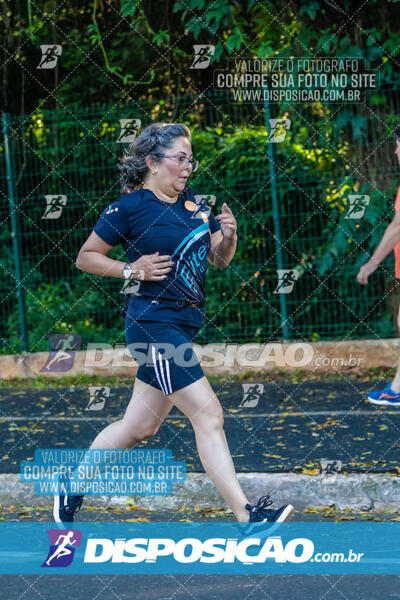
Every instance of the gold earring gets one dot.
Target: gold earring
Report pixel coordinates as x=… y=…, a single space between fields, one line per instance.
x=154 y=172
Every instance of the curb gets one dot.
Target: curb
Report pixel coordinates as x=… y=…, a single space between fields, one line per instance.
x=229 y=359
x=354 y=491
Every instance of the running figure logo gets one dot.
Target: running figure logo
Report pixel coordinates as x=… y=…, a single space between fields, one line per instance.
x=203 y=202
x=62 y=352
x=129 y=129
x=54 y=207
x=49 y=56
x=286 y=281
x=329 y=470
x=278 y=129
x=61 y=551
x=251 y=394
x=98 y=397
x=202 y=54
x=131 y=286
x=357 y=206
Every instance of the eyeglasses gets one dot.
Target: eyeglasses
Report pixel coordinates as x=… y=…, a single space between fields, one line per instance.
x=184 y=161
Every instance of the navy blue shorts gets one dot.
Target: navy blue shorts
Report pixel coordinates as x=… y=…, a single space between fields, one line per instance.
x=164 y=353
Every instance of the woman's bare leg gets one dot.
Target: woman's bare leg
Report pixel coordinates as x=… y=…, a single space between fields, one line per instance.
x=200 y=404
x=395 y=385
x=145 y=413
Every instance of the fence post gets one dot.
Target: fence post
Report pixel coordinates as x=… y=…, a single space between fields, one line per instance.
x=276 y=220
x=15 y=233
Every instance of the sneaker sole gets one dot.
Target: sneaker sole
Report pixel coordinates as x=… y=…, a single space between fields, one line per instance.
x=384 y=402
x=286 y=514
x=261 y=529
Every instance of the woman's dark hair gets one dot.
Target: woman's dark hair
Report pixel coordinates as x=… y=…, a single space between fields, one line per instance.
x=155 y=138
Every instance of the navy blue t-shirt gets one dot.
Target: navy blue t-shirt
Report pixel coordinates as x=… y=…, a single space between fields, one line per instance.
x=144 y=224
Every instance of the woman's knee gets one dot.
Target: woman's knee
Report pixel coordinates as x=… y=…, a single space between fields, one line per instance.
x=210 y=417
x=138 y=432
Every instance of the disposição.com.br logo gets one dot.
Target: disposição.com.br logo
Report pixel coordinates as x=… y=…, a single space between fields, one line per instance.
x=62 y=547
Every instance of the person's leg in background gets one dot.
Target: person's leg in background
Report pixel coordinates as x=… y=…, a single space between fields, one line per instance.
x=395 y=386
x=389 y=395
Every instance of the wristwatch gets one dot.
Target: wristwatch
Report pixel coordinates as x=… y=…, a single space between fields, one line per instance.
x=127 y=271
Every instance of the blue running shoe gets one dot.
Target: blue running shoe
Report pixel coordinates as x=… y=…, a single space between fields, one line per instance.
x=385 y=397
x=64 y=506
x=263 y=519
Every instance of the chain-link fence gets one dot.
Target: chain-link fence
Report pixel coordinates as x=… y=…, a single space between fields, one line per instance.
x=309 y=209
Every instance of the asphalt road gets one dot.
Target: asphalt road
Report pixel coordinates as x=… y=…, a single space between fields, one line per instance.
x=201 y=587
x=291 y=428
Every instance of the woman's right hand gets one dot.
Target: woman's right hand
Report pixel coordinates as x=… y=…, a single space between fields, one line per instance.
x=152 y=267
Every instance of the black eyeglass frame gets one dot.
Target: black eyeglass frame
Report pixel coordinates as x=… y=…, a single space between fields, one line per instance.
x=194 y=162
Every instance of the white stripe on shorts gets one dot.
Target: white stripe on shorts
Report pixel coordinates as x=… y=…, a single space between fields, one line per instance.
x=168 y=376
x=160 y=375
x=162 y=371
x=153 y=354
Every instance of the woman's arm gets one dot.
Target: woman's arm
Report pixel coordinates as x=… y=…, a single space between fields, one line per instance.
x=223 y=243
x=92 y=258
x=222 y=249
x=389 y=239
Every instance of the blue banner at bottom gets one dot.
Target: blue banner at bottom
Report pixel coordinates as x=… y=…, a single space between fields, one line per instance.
x=195 y=548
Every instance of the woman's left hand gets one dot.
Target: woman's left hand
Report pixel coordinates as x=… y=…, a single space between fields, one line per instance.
x=227 y=221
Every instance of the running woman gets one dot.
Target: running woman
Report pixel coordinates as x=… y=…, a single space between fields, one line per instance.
x=168 y=236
